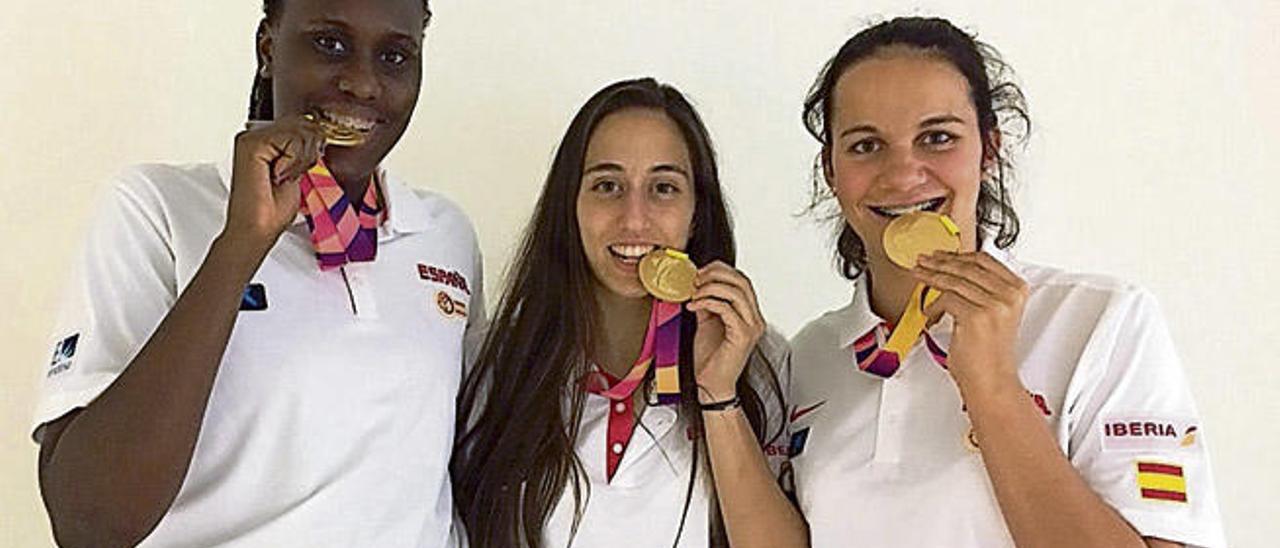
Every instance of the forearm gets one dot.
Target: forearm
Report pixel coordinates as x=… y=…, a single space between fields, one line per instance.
x=1044 y=500
x=112 y=470
x=756 y=513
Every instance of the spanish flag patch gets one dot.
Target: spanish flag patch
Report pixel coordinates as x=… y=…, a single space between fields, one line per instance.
x=1160 y=481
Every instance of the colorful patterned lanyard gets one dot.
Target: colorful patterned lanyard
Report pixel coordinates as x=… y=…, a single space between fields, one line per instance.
x=884 y=361
x=661 y=343
x=339 y=234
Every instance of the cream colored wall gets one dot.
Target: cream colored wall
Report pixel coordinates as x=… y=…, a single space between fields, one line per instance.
x=1152 y=158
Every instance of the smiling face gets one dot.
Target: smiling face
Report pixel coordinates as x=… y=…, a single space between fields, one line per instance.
x=356 y=64
x=636 y=194
x=905 y=137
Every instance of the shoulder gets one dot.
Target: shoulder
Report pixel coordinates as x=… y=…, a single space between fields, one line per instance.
x=1082 y=295
x=168 y=186
x=159 y=199
x=429 y=207
x=819 y=332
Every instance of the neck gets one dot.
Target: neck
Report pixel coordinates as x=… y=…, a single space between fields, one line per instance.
x=353 y=185
x=619 y=335
x=890 y=287
x=354 y=182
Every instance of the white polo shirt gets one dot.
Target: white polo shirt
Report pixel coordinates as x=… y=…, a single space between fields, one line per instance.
x=643 y=504
x=889 y=462
x=331 y=419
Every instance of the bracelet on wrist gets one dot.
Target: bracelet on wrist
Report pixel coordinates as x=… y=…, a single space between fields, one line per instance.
x=722 y=405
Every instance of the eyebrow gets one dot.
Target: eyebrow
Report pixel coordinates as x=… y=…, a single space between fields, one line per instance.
x=603 y=166
x=941 y=119
x=332 y=22
x=860 y=128
x=670 y=168
x=614 y=167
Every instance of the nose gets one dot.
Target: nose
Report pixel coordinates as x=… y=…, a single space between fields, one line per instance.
x=635 y=209
x=359 y=80
x=904 y=170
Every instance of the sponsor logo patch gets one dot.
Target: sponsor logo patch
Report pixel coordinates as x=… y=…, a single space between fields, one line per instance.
x=1147 y=434
x=449 y=306
x=798 y=441
x=254 y=297
x=451 y=278
x=1161 y=481
x=62 y=354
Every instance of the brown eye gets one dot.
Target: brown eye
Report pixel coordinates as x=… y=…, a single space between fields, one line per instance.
x=666 y=187
x=938 y=138
x=395 y=58
x=865 y=146
x=606 y=186
x=331 y=45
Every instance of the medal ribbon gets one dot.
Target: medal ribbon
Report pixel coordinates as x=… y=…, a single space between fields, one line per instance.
x=661 y=344
x=884 y=361
x=339 y=233
x=665 y=319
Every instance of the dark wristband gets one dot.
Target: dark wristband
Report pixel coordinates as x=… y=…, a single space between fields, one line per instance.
x=723 y=405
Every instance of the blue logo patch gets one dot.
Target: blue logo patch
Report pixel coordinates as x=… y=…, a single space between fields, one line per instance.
x=798 y=441
x=254 y=298
x=62 y=354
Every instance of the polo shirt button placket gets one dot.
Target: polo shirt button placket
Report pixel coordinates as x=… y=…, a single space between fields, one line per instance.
x=621 y=422
x=889 y=429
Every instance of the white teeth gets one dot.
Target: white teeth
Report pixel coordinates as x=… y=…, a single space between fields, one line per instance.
x=895 y=211
x=631 y=251
x=351 y=122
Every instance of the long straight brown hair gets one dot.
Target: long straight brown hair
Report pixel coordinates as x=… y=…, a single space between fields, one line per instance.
x=515 y=453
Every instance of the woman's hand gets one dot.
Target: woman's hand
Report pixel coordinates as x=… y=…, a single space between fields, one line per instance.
x=729 y=325
x=986 y=301
x=270 y=160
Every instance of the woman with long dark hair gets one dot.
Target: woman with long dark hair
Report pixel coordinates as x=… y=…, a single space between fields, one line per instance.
x=267 y=351
x=565 y=434
x=1039 y=407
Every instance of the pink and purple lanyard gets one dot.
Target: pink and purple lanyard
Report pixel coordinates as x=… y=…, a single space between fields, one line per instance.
x=339 y=232
x=870 y=357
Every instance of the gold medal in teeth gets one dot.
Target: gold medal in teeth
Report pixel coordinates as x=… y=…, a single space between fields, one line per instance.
x=335 y=134
x=920 y=233
x=668 y=275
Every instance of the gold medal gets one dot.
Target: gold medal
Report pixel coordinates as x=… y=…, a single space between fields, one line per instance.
x=335 y=134
x=921 y=233
x=668 y=275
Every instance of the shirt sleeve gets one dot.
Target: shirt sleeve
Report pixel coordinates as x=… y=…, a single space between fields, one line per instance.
x=122 y=284
x=1137 y=438
x=777 y=438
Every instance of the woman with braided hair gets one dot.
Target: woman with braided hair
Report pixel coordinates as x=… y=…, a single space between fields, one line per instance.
x=267 y=351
